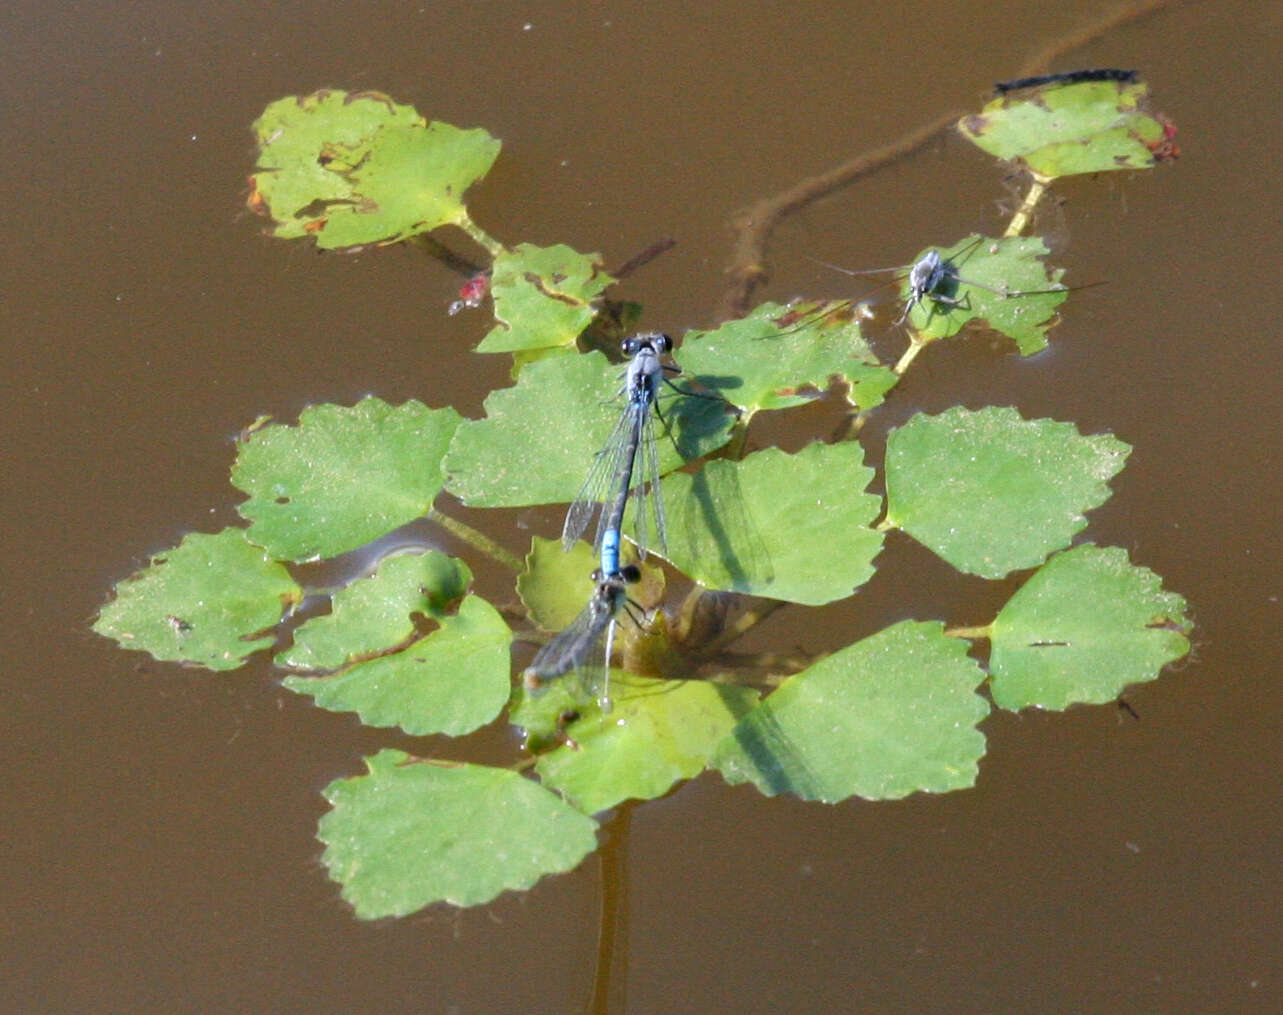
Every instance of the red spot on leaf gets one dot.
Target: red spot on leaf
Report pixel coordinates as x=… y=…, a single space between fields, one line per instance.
x=1165 y=148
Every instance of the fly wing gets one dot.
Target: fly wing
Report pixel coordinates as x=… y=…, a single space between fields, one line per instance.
x=863 y=271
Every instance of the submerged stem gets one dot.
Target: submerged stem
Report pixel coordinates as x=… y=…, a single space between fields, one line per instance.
x=745 y=622
x=1023 y=214
x=610 y=975
x=970 y=632
x=916 y=345
x=477 y=540
x=493 y=247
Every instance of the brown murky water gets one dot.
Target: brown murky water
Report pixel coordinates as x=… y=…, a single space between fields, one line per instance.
x=159 y=822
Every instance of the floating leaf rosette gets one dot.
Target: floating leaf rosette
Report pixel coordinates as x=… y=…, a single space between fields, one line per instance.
x=410 y=643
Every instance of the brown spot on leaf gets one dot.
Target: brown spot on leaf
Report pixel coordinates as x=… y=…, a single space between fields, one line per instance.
x=538 y=283
x=255 y=202
x=373 y=97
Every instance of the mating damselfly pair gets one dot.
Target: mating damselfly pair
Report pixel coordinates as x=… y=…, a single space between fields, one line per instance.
x=627 y=467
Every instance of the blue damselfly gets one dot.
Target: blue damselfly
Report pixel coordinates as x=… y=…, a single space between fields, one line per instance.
x=576 y=647
x=615 y=467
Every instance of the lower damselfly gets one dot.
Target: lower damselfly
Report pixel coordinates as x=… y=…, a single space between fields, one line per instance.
x=576 y=648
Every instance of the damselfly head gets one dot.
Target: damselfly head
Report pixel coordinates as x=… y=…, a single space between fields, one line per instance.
x=656 y=341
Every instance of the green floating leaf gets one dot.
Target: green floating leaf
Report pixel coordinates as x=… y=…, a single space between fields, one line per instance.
x=206 y=601
x=343 y=476
x=1084 y=627
x=658 y=733
x=453 y=681
x=1023 y=307
x=544 y=714
x=893 y=714
x=555 y=584
x=301 y=137
x=543 y=296
x=356 y=169
x=374 y=613
x=1090 y=127
x=410 y=833
x=793 y=527
x=538 y=439
x=991 y=492
x=786 y=356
